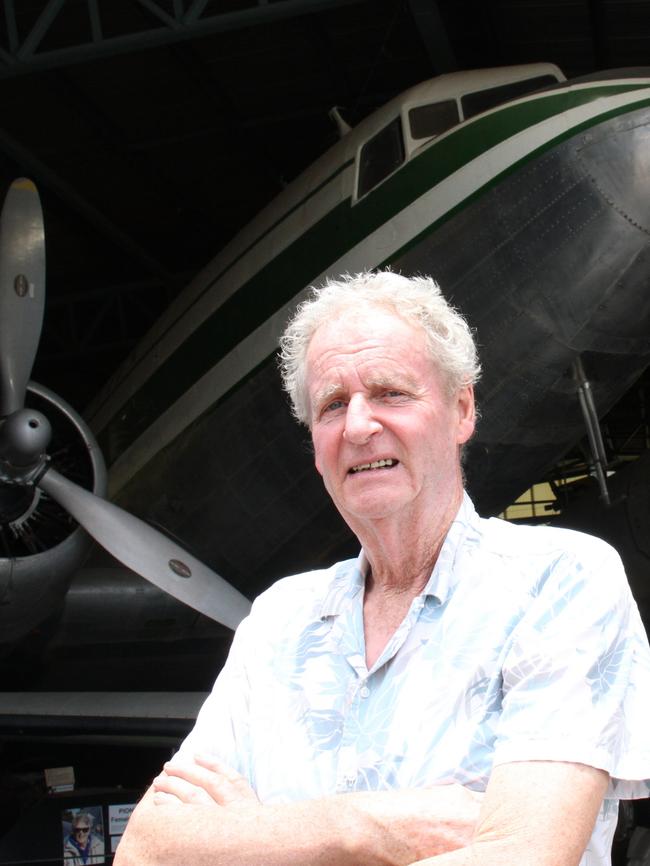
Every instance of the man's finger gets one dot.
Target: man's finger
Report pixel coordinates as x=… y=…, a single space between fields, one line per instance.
x=233 y=785
x=203 y=759
x=230 y=790
x=160 y=798
x=192 y=773
x=182 y=789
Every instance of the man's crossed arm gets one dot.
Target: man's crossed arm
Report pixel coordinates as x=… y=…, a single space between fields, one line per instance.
x=202 y=814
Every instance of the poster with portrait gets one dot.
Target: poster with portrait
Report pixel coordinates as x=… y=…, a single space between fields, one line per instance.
x=83 y=836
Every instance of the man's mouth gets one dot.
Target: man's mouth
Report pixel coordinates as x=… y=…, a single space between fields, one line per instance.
x=375 y=464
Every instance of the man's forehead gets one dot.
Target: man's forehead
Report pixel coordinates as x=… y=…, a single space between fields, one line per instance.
x=333 y=380
x=381 y=349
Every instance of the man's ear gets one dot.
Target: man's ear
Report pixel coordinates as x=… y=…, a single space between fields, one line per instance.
x=466 y=414
x=316 y=460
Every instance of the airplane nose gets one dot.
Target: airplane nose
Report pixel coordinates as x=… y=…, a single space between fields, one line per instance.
x=360 y=421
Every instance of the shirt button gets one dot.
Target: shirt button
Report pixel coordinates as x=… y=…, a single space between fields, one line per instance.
x=364 y=692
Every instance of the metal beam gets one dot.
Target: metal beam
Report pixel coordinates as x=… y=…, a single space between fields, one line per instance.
x=159 y=13
x=12 y=28
x=95 y=21
x=196 y=10
x=40 y=28
x=431 y=28
x=21 y=58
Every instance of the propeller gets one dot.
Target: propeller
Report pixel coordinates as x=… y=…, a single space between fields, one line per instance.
x=22 y=291
x=25 y=433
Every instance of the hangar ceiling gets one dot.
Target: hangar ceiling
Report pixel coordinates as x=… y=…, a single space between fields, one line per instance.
x=155 y=129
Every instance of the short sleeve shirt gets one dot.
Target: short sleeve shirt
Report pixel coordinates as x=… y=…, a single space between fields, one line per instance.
x=525 y=644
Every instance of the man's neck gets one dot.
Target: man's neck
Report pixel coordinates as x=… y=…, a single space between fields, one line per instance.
x=403 y=551
x=400 y=565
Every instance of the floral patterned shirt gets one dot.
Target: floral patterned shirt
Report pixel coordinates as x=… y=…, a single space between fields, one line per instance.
x=525 y=644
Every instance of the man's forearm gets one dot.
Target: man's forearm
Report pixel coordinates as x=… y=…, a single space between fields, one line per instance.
x=330 y=832
x=536 y=813
x=209 y=835
x=391 y=828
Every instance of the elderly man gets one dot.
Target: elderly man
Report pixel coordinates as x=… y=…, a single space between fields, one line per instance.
x=82 y=847
x=465 y=692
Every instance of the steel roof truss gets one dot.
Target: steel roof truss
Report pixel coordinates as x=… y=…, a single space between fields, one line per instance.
x=18 y=58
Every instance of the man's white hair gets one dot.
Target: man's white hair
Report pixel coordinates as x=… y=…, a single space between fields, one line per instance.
x=86 y=817
x=416 y=300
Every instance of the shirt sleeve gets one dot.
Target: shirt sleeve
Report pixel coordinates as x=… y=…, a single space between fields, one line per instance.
x=576 y=674
x=221 y=728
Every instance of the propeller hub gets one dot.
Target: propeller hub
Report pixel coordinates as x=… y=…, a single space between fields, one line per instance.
x=24 y=437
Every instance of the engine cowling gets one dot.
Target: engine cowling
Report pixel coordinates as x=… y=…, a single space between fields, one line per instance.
x=41 y=546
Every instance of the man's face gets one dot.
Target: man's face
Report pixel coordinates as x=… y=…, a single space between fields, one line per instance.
x=81 y=833
x=386 y=434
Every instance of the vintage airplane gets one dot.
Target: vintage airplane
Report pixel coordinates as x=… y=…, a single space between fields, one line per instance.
x=525 y=195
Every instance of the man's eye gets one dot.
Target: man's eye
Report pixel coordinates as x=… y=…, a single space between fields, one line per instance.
x=394 y=393
x=333 y=406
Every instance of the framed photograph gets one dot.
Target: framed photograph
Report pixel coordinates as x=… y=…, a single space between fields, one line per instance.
x=83 y=836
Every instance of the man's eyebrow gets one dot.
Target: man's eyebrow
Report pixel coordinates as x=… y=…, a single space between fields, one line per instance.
x=380 y=380
x=335 y=389
x=392 y=381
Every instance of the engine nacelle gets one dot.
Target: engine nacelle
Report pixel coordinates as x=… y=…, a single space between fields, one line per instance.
x=41 y=546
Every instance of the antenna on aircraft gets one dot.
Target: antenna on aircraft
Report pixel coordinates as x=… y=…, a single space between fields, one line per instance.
x=25 y=433
x=342 y=126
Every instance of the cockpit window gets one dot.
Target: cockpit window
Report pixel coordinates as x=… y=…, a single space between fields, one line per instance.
x=482 y=100
x=426 y=121
x=380 y=156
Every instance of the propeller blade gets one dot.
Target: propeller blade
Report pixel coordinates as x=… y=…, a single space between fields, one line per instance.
x=22 y=290
x=148 y=552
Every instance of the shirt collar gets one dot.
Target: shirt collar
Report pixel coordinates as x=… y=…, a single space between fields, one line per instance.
x=349 y=579
x=350 y=576
x=463 y=533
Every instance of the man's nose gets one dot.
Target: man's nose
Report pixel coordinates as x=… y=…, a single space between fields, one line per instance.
x=361 y=421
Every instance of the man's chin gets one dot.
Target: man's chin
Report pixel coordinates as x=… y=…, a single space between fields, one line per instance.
x=373 y=506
